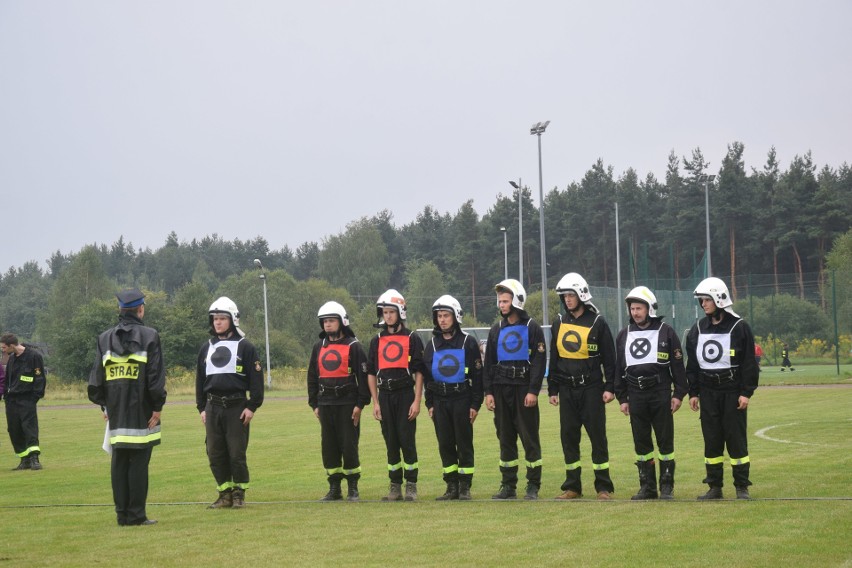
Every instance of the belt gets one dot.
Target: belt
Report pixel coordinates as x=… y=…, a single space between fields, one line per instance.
x=447 y=388
x=226 y=401
x=718 y=379
x=644 y=382
x=512 y=372
x=337 y=391
x=394 y=384
x=573 y=381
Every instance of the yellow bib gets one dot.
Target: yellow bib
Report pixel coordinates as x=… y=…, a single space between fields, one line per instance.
x=573 y=341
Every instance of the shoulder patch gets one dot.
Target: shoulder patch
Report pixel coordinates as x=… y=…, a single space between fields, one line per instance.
x=257 y=366
x=678 y=354
x=37 y=371
x=541 y=348
x=478 y=363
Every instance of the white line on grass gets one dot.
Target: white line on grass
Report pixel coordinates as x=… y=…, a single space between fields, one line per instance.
x=762 y=434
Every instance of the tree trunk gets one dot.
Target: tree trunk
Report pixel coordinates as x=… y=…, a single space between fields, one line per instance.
x=775 y=267
x=799 y=275
x=473 y=288
x=732 y=237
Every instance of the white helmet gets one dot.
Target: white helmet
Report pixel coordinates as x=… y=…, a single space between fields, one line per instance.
x=448 y=304
x=225 y=305
x=333 y=309
x=643 y=294
x=391 y=299
x=512 y=286
x=576 y=283
x=717 y=290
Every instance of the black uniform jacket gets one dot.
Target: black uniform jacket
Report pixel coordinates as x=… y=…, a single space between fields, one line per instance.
x=128 y=378
x=536 y=358
x=415 y=355
x=472 y=368
x=247 y=375
x=589 y=342
x=344 y=358
x=25 y=374
x=743 y=363
x=668 y=365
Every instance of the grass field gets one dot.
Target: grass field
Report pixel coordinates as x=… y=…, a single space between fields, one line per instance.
x=802 y=513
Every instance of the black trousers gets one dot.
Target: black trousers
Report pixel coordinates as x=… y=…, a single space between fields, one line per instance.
x=584 y=408
x=227 y=442
x=455 y=437
x=513 y=420
x=652 y=410
x=399 y=433
x=22 y=424
x=723 y=426
x=340 y=442
x=129 y=474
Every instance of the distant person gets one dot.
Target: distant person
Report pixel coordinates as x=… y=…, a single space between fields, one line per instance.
x=394 y=373
x=723 y=375
x=128 y=381
x=453 y=382
x=758 y=354
x=515 y=361
x=228 y=367
x=337 y=393
x=785 y=355
x=650 y=362
x=26 y=379
x=581 y=383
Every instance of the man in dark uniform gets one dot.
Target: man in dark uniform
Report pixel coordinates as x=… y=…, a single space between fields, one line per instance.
x=394 y=373
x=337 y=393
x=25 y=384
x=581 y=345
x=453 y=382
x=128 y=381
x=649 y=360
x=723 y=374
x=785 y=358
x=228 y=366
x=515 y=360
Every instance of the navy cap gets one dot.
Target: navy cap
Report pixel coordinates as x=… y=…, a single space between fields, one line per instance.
x=130 y=298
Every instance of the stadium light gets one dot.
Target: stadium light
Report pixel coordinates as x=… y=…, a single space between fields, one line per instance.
x=707 y=179
x=505 y=254
x=518 y=186
x=259 y=264
x=538 y=129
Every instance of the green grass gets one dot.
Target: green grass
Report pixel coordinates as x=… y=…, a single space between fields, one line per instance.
x=63 y=514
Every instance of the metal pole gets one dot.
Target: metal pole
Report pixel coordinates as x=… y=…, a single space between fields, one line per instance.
x=265 y=323
x=544 y=317
x=618 y=264
x=520 y=232
x=505 y=253
x=707 y=180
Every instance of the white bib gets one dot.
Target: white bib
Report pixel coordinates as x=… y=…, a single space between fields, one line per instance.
x=641 y=347
x=222 y=357
x=713 y=351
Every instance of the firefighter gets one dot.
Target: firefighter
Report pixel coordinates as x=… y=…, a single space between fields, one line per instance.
x=394 y=374
x=228 y=367
x=581 y=383
x=785 y=358
x=128 y=381
x=26 y=380
x=337 y=393
x=453 y=383
x=649 y=361
x=515 y=360
x=723 y=375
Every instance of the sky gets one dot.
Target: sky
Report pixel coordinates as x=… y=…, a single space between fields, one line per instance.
x=289 y=120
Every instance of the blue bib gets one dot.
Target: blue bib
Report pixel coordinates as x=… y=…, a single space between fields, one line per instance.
x=513 y=343
x=448 y=366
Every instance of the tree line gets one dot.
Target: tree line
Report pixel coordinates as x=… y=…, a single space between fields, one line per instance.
x=778 y=224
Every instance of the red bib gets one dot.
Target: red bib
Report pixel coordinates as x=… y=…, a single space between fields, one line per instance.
x=334 y=361
x=393 y=351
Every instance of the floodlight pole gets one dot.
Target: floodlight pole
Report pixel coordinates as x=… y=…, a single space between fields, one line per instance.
x=265 y=323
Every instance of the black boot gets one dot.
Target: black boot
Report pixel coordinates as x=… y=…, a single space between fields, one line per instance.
x=667 y=469
x=713 y=493
x=464 y=490
x=34 y=463
x=353 y=494
x=225 y=500
x=647 y=481
x=506 y=492
x=239 y=498
x=334 y=492
x=25 y=464
x=452 y=492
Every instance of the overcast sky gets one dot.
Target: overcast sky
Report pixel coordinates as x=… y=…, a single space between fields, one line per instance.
x=288 y=120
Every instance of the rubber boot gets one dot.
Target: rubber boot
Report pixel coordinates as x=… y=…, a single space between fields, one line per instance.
x=667 y=469
x=353 y=494
x=531 y=493
x=34 y=463
x=647 y=481
x=334 y=492
x=742 y=493
x=410 y=491
x=225 y=500
x=25 y=464
x=239 y=498
x=464 y=491
x=395 y=492
x=713 y=493
x=452 y=492
x=506 y=492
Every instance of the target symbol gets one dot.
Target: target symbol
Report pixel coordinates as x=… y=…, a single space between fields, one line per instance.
x=392 y=351
x=448 y=365
x=712 y=351
x=640 y=348
x=572 y=341
x=512 y=342
x=221 y=357
x=331 y=361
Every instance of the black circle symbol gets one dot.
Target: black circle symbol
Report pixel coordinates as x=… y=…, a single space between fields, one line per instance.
x=448 y=365
x=221 y=357
x=640 y=348
x=712 y=351
x=572 y=341
x=388 y=349
x=331 y=360
x=512 y=342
